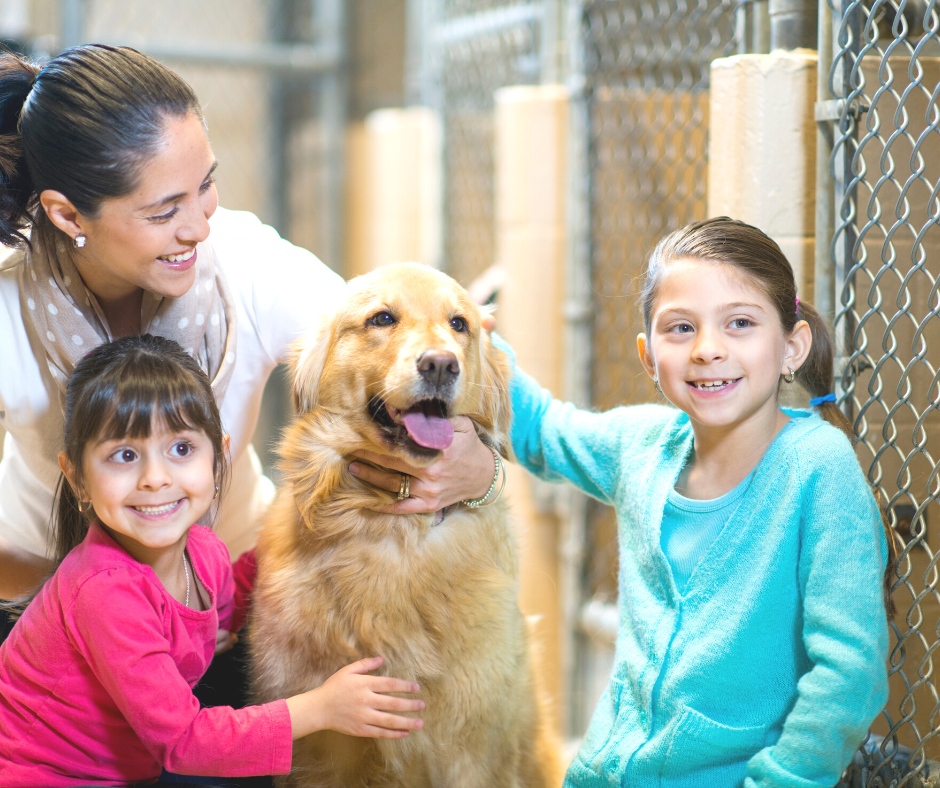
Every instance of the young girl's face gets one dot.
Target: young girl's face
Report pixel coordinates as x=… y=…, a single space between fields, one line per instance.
x=150 y=490
x=717 y=346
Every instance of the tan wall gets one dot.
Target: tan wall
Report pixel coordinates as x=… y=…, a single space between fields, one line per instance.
x=394 y=194
x=762 y=150
x=530 y=169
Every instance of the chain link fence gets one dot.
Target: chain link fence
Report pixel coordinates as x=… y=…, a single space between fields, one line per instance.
x=885 y=254
x=474 y=47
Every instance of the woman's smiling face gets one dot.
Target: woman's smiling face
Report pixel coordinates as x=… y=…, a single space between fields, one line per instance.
x=147 y=239
x=716 y=344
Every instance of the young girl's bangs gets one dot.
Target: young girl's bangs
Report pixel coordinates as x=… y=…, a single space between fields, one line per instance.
x=130 y=401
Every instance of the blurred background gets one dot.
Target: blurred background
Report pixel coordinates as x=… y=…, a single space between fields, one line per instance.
x=536 y=151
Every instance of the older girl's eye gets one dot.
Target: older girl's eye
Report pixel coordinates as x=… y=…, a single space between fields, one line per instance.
x=741 y=322
x=182 y=449
x=681 y=328
x=124 y=455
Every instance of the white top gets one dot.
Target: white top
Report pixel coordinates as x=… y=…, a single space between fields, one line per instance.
x=279 y=290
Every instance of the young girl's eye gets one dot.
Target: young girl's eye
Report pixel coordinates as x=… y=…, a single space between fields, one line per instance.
x=182 y=449
x=124 y=455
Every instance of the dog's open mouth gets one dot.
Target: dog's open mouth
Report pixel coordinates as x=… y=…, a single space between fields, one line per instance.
x=425 y=423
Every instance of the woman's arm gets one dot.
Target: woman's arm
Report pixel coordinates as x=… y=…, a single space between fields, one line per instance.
x=20 y=572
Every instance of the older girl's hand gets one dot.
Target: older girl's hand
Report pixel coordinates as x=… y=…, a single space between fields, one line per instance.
x=463 y=472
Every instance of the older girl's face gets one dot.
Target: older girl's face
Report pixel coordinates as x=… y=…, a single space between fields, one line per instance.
x=147 y=239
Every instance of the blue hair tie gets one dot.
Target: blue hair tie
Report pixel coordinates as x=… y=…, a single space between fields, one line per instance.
x=820 y=400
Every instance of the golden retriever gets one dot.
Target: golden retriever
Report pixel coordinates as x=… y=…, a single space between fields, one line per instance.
x=339 y=581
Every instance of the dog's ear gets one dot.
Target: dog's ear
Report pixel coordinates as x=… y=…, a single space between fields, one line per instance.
x=496 y=405
x=307 y=359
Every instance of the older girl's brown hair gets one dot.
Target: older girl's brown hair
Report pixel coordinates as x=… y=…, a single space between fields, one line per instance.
x=755 y=255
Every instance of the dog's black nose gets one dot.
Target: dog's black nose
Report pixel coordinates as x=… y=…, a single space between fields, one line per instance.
x=437 y=367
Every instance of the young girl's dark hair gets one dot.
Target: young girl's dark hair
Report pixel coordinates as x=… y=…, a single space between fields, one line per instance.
x=81 y=125
x=761 y=261
x=121 y=389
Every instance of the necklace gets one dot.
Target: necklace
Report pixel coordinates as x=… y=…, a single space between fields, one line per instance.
x=186 y=572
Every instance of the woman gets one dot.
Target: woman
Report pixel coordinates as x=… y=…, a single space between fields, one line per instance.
x=106 y=190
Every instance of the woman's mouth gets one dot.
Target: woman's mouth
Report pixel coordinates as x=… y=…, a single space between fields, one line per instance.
x=180 y=261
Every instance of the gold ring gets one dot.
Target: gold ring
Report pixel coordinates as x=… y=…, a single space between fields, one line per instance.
x=404 y=487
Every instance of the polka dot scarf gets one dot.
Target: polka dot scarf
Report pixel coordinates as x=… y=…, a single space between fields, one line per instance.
x=69 y=321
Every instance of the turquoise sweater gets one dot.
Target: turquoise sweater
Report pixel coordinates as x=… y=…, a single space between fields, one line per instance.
x=771 y=668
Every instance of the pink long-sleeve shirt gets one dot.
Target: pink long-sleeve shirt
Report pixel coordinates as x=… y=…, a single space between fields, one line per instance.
x=96 y=678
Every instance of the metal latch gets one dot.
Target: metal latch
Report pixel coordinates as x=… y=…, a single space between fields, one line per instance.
x=834 y=109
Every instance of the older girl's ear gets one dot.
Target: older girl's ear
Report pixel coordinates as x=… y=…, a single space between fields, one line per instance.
x=646 y=355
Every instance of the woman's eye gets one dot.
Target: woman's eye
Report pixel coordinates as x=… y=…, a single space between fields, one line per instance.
x=182 y=449
x=458 y=324
x=124 y=455
x=165 y=216
x=205 y=186
x=382 y=319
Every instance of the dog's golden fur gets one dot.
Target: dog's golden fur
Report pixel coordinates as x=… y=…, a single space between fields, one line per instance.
x=339 y=581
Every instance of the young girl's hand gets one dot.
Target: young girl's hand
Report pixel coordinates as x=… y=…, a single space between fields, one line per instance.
x=354 y=703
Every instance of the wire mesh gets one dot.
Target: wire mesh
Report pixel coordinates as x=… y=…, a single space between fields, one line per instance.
x=886 y=252
x=479 y=46
x=647 y=71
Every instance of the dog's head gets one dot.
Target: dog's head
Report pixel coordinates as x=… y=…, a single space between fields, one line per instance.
x=402 y=355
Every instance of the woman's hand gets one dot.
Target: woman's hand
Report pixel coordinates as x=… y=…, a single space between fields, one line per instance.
x=463 y=472
x=354 y=703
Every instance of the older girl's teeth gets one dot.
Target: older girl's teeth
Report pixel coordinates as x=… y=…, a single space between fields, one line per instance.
x=156 y=509
x=179 y=258
x=712 y=385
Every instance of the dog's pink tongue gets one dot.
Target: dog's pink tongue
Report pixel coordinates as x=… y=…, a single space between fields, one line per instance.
x=432 y=432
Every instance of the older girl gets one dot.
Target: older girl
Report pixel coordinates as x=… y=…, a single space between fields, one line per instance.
x=753 y=636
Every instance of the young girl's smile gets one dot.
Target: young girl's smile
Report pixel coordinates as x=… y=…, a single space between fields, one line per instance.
x=716 y=345
x=150 y=490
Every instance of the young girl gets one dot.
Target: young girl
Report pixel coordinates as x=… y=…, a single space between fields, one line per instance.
x=753 y=640
x=96 y=677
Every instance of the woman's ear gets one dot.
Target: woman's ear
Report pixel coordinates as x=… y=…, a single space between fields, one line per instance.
x=61 y=212
x=799 y=343
x=646 y=355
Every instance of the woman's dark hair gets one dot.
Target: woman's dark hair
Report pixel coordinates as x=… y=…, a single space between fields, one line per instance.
x=726 y=241
x=81 y=125
x=121 y=389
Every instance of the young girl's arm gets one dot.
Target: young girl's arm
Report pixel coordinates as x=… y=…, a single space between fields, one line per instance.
x=354 y=703
x=118 y=624
x=845 y=633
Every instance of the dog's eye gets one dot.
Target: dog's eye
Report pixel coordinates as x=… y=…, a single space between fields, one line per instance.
x=382 y=319
x=458 y=324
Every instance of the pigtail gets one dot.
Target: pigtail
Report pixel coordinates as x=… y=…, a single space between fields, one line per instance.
x=817 y=377
x=17 y=193
x=816 y=374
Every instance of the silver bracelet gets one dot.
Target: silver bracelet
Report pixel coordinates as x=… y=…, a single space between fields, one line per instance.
x=482 y=500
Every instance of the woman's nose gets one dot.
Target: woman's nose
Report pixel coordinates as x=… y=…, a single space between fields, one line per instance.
x=196 y=228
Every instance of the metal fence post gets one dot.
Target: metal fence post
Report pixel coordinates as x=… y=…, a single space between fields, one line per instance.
x=72 y=23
